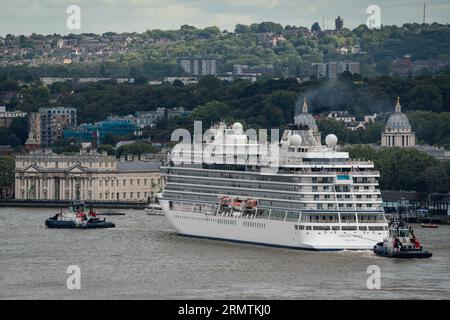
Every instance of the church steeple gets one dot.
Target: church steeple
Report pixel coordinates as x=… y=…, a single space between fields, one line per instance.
x=398 y=107
x=305 y=106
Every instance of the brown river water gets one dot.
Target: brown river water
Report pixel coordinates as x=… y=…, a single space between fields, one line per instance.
x=143 y=258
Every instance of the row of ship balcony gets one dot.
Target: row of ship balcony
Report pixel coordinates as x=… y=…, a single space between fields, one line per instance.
x=295 y=189
x=280 y=215
x=356 y=177
x=303 y=170
x=277 y=195
x=191 y=156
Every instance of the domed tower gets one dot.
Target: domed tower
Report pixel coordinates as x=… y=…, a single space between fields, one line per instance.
x=305 y=119
x=397 y=132
x=305 y=126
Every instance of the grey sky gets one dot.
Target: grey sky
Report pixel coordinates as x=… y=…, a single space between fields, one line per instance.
x=97 y=16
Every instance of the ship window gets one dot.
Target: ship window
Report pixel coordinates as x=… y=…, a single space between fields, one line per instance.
x=277 y=215
x=321 y=228
x=292 y=216
x=362 y=228
x=262 y=214
x=348 y=217
x=335 y=228
x=347 y=228
x=301 y=227
x=308 y=227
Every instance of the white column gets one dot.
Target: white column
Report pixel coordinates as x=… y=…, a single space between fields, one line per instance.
x=17 y=187
x=27 y=185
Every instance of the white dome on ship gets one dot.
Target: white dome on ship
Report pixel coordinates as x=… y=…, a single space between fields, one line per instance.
x=238 y=127
x=295 y=140
x=331 y=140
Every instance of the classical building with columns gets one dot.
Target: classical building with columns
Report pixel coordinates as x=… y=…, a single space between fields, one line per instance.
x=44 y=175
x=397 y=132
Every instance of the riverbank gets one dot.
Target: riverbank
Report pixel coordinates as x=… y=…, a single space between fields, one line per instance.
x=416 y=218
x=63 y=204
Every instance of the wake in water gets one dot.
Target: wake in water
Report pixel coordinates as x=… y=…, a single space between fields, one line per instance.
x=359 y=253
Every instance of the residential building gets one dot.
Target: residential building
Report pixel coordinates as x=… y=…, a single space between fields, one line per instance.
x=118 y=126
x=332 y=69
x=53 y=121
x=199 y=66
x=343 y=116
x=44 y=175
x=34 y=125
x=245 y=70
x=6 y=117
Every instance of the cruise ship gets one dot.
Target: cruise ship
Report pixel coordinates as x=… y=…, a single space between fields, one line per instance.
x=292 y=193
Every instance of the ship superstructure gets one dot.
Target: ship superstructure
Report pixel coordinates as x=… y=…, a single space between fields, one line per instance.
x=294 y=192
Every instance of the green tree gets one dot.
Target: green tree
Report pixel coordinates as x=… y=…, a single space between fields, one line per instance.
x=315 y=27
x=7 y=167
x=137 y=148
x=19 y=127
x=210 y=112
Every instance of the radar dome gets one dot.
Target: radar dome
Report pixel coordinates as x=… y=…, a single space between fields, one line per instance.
x=295 y=140
x=331 y=140
x=238 y=127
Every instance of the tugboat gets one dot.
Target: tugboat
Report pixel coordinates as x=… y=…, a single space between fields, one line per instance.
x=401 y=243
x=79 y=216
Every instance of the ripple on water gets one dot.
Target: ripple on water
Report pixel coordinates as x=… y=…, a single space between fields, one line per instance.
x=143 y=258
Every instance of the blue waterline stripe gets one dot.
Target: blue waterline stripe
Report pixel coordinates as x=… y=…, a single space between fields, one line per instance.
x=256 y=243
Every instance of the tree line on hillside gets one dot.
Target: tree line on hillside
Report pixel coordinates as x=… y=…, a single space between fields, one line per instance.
x=266 y=103
x=292 y=56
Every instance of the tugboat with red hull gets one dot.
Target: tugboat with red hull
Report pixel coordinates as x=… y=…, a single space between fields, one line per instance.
x=401 y=243
x=78 y=216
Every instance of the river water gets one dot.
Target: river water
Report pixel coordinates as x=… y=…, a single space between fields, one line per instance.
x=143 y=258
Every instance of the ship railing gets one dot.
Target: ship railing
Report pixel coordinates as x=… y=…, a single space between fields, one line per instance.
x=274 y=214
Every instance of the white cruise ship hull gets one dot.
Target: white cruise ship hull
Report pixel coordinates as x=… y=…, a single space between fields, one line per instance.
x=269 y=232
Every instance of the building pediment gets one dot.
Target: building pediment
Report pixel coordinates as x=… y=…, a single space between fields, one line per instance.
x=32 y=169
x=77 y=169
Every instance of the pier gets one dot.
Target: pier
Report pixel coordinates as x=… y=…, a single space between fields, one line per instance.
x=418 y=217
